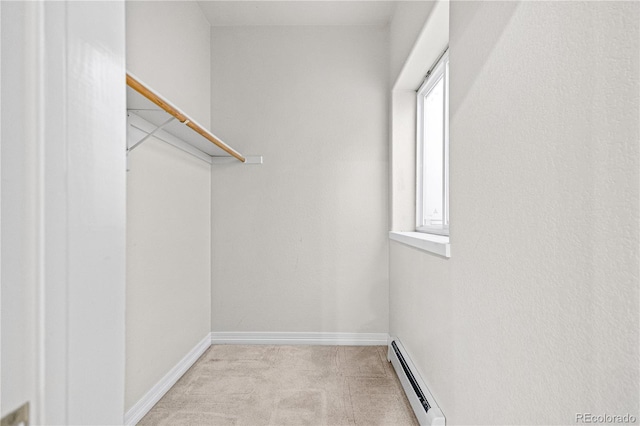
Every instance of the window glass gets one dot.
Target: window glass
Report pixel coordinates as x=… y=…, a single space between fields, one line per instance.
x=432 y=201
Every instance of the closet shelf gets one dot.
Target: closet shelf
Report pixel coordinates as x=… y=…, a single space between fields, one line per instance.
x=166 y=118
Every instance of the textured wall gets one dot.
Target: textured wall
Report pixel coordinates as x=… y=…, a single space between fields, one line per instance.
x=168 y=48
x=407 y=22
x=299 y=243
x=168 y=272
x=535 y=316
x=169 y=200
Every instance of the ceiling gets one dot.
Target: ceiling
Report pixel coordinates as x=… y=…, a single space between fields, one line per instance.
x=266 y=12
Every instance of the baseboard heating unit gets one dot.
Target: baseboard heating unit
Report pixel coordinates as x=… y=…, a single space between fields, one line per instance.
x=424 y=406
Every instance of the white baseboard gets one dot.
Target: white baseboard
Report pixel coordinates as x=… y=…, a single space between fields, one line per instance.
x=142 y=407
x=293 y=338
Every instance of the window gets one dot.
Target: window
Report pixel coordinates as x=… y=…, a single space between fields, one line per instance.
x=432 y=200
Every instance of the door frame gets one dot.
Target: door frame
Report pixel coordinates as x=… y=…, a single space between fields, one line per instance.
x=76 y=64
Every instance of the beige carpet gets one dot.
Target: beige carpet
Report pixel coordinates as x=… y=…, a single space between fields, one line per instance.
x=286 y=385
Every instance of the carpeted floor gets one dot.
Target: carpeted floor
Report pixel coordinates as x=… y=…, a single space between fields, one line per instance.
x=286 y=385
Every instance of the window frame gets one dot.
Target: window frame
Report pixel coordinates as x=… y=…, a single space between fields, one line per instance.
x=440 y=70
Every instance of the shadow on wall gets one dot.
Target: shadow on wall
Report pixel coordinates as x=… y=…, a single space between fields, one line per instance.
x=499 y=17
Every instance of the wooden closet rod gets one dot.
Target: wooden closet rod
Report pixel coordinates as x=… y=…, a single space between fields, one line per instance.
x=136 y=85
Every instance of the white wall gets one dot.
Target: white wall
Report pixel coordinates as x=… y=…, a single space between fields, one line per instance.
x=405 y=26
x=299 y=243
x=169 y=198
x=534 y=318
x=168 y=273
x=168 y=49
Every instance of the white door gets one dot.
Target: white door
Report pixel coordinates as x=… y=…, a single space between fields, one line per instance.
x=17 y=213
x=62 y=215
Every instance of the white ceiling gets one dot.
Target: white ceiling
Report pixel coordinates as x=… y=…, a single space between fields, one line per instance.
x=266 y=12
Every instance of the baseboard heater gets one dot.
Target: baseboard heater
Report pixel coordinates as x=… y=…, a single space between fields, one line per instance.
x=424 y=406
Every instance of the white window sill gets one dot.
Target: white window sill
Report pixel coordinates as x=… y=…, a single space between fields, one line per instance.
x=437 y=244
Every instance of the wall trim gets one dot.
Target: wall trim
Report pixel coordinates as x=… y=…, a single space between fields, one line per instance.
x=296 y=338
x=142 y=407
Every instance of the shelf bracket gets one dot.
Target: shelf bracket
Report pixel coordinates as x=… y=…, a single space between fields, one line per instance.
x=224 y=159
x=165 y=105
x=153 y=132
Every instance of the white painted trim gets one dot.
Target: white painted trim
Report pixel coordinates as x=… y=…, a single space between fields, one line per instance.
x=295 y=338
x=151 y=398
x=1 y=411
x=56 y=209
x=437 y=244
